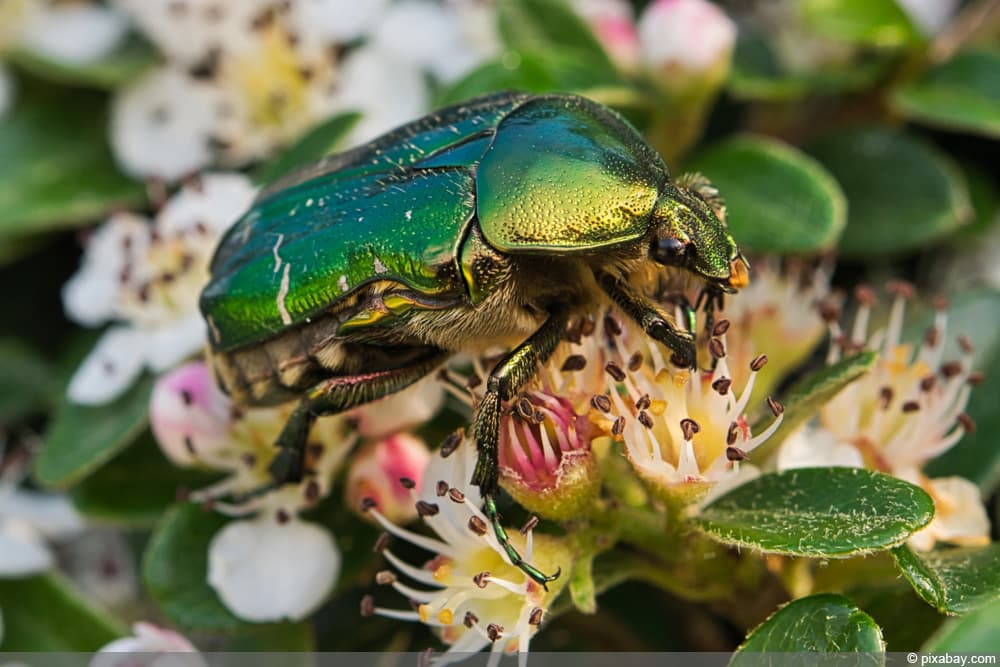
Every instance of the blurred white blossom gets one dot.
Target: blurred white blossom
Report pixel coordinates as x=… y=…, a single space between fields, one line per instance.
x=930 y=16
x=73 y=33
x=149 y=646
x=682 y=37
x=145 y=277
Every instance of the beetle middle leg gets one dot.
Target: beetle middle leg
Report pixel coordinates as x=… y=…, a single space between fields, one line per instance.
x=337 y=394
x=506 y=379
x=653 y=321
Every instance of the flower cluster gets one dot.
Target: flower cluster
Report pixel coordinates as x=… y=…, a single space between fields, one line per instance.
x=905 y=412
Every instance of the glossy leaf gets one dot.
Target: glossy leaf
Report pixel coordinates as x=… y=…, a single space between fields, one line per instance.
x=880 y=23
x=820 y=623
x=45 y=613
x=818 y=512
x=321 y=140
x=975 y=632
x=81 y=437
x=976 y=457
x=28 y=380
x=962 y=94
x=175 y=570
x=547 y=26
x=123 y=65
x=57 y=169
x=136 y=487
x=953 y=580
x=902 y=193
x=778 y=199
x=888 y=599
x=804 y=399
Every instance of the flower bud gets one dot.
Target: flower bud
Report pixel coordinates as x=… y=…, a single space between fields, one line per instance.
x=189 y=415
x=376 y=473
x=614 y=26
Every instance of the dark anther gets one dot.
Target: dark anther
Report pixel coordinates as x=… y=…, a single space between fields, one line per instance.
x=456 y=495
x=473 y=382
x=716 y=348
x=689 y=427
x=407 y=483
x=312 y=491
x=470 y=619
x=965 y=343
x=425 y=508
x=189 y=444
x=481 y=579
x=619 y=426
x=967 y=423
x=442 y=487
x=477 y=525
x=611 y=326
x=186 y=397
x=758 y=362
x=865 y=295
x=732 y=433
x=829 y=310
x=720 y=328
x=367 y=606
x=886 y=394
x=976 y=378
x=615 y=371
x=643 y=403
x=645 y=419
x=635 y=362
x=494 y=631
x=282 y=516
x=588 y=327
x=451 y=443
x=950 y=369
x=776 y=408
x=601 y=402
x=384 y=578
x=736 y=454
x=367 y=504
x=525 y=410
x=928 y=383
x=678 y=360
x=536 y=616
x=382 y=543
x=538 y=417
x=911 y=406
x=529 y=525
x=574 y=362
x=722 y=385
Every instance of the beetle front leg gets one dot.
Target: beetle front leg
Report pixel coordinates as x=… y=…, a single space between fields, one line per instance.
x=653 y=321
x=506 y=379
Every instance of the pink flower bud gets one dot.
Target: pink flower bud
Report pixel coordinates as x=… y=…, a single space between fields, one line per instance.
x=614 y=26
x=189 y=415
x=389 y=472
x=686 y=39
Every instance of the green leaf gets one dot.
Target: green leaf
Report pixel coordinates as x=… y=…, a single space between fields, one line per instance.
x=953 y=580
x=27 y=383
x=757 y=73
x=318 y=142
x=804 y=399
x=977 y=457
x=81 y=438
x=136 y=487
x=581 y=584
x=45 y=613
x=123 y=65
x=175 y=570
x=879 y=23
x=824 y=623
x=778 y=199
x=818 y=512
x=550 y=26
x=961 y=94
x=902 y=193
x=975 y=632
x=888 y=600
x=57 y=169
x=273 y=638
x=529 y=71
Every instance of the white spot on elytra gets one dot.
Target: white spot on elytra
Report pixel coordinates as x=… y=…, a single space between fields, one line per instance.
x=274 y=251
x=309 y=202
x=286 y=319
x=379 y=266
x=409 y=214
x=342 y=283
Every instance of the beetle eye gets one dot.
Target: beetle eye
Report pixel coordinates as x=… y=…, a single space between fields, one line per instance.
x=672 y=252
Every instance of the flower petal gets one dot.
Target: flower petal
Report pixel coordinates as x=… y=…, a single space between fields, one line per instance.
x=110 y=368
x=218 y=200
x=21 y=550
x=189 y=415
x=268 y=571
x=51 y=515
x=169 y=345
x=813 y=447
x=397 y=412
x=74 y=33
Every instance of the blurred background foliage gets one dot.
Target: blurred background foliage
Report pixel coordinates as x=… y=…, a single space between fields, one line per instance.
x=858 y=128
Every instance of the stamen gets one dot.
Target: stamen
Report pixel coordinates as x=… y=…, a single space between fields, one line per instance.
x=575 y=362
x=367 y=606
x=720 y=328
x=442 y=488
x=758 y=362
x=426 y=543
x=425 y=509
x=615 y=371
x=477 y=525
x=716 y=348
x=689 y=427
x=384 y=578
x=529 y=525
x=601 y=402
x=452 y=442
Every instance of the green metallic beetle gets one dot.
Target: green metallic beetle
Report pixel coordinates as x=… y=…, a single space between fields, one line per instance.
x=495 y=222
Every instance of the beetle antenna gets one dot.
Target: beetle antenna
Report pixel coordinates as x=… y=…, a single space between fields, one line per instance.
x=490 y=510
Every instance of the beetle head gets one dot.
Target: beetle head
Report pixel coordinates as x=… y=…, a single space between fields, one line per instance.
x=691 y=234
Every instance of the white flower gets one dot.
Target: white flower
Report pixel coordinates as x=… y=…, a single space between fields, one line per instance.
x=102 y=566
x=468 y=590
x=150 y=646
x=28 y=519
x=73 y=33
x=687 y=35
x=904 y=412
x=270 y=570
x=162 y=124
x=338 y=21
x=930 y=16
x=146 y=277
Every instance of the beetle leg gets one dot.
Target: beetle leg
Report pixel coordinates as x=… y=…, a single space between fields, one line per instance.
x=335 y=395
x=506 y=379
x=653 y=321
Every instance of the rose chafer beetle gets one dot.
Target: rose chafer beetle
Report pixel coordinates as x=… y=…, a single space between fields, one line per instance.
x=496 y=222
